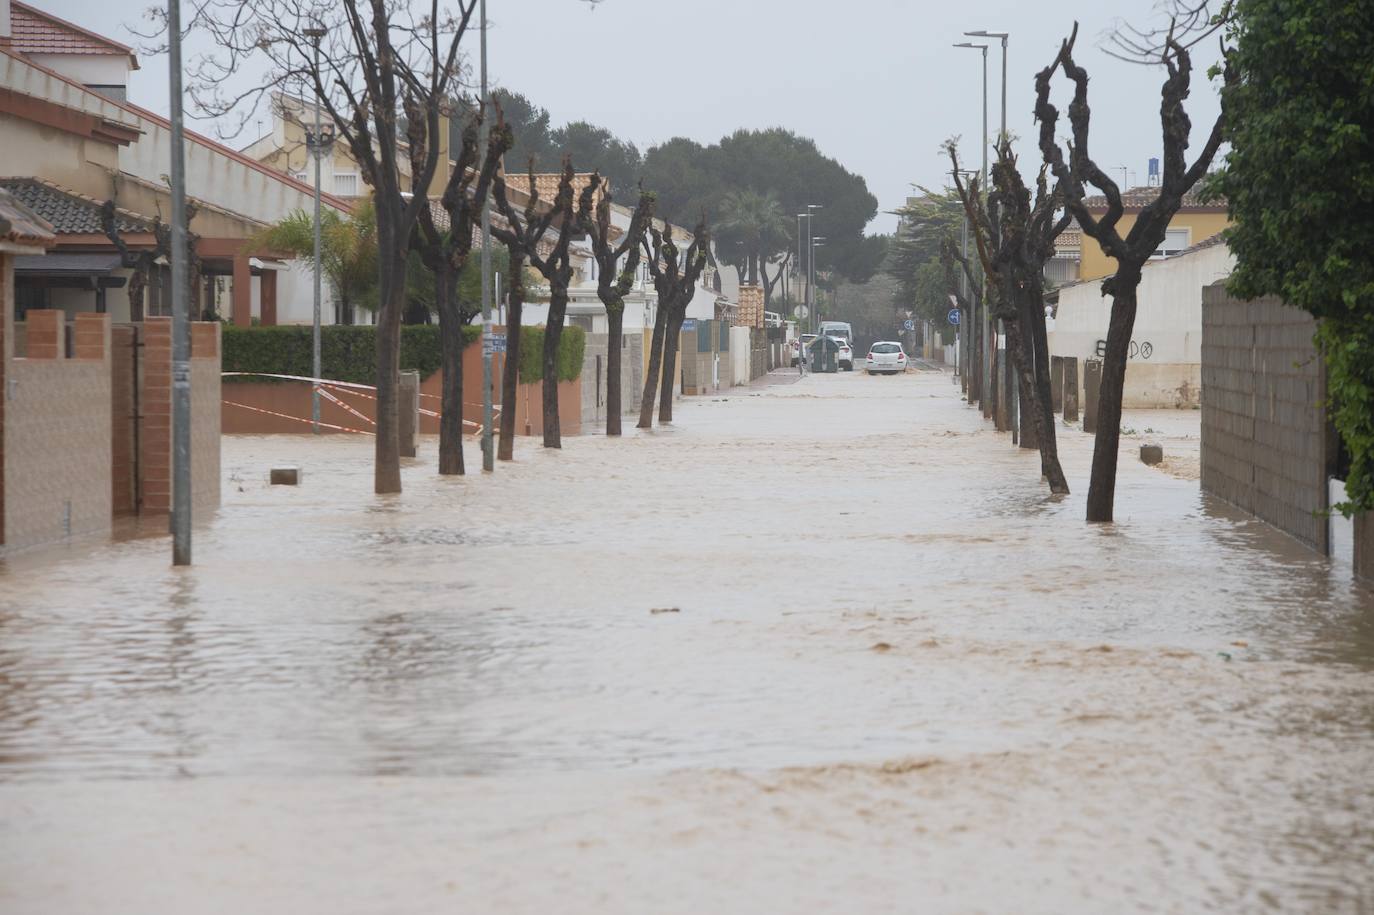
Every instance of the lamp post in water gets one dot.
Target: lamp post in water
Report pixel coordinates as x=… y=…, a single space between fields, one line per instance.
x=985 y=384
x=316 y=143
x=181 y=328
x=1013 y=390
x=488 y=454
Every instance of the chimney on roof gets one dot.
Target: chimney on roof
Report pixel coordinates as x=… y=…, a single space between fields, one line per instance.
x=444 y=166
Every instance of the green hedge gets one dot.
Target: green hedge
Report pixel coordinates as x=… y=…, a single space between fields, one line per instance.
x=572 y=349
x=349 y=352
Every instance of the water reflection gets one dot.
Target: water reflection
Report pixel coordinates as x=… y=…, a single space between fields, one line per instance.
x=839 y=595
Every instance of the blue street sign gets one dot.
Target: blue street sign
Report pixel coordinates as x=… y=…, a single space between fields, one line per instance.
x=494 y=343
x=953 y=316
x=908 y=324
x=689 y=324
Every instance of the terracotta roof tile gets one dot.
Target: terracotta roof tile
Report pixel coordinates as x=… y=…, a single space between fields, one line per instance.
x=1137 y=198
x=67 y=212
x=37 y=32
x=20 y=224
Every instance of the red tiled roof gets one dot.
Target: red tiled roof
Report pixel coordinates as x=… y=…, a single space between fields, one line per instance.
x=37 y=32
x=20 y=224
x=1137 y=198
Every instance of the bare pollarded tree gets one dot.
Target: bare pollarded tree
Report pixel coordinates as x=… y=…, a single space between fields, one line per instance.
x=365 y=62
x=444 y=251
x=616 y=269
x=1133 y=250
x=568 y=211
x=1014 y=236
x=675 y=279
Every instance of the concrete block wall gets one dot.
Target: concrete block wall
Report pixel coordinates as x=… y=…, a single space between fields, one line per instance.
x=631 y=377
x=1264 y=425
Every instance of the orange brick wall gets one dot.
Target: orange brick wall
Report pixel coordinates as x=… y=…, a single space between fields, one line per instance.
x=156 y=406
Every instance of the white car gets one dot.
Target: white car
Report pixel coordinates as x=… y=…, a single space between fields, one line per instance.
x=886 y=357
x=845 y=357
x=805 y=341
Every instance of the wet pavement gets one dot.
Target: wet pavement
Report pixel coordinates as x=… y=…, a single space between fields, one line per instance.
x=820 y=646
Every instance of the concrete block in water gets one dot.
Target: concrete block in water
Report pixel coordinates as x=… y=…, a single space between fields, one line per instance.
x=285 y=476
x=1151 y=454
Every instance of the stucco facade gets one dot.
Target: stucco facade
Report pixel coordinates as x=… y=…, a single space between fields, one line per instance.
x=1165 y=363
x=1201 y=224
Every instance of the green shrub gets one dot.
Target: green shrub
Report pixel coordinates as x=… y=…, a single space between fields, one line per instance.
x=572 y=349
x=347 y=352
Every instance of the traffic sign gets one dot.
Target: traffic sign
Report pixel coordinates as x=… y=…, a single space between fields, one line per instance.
x=494 y=343
x=801 y=312
x=953 y=316
x=689 y=324
x=908 y=324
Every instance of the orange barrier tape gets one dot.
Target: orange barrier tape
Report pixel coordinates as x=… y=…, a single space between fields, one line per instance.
x=297 y=418
x=332 y=399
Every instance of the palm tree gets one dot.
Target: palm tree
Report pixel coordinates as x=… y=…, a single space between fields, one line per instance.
x=348 y=251
x=753 y=229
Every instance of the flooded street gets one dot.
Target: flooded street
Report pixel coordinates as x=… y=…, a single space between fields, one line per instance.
x=825 y=646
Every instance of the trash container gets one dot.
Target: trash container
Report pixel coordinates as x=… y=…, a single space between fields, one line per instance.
x=825 y=353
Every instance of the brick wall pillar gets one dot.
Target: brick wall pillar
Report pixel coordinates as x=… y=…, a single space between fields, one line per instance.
x=47 y=334
x=1056 y=383
x=1092 y=385
x=242 y=295
x=1070 y=375
x=92 y=338
x=268 y=285
x=750 y=306
x=155 y=439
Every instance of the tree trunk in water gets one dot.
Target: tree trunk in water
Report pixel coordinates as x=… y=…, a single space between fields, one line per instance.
x=616 y=320
x=1049 y=445
x=1036 y=419
x=510 y=377
x=451 y=338
x=673 y=335
x=646 y=407
x=553 y=333
x=1102 y=489
x=392 y=300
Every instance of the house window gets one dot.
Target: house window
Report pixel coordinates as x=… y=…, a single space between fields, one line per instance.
x=302 y=177
x=346 y=184
x=1175 y=242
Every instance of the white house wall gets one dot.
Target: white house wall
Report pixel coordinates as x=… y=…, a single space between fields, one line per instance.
x=1165 y=364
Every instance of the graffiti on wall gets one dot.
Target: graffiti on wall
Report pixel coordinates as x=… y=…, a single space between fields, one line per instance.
x=1138 y=350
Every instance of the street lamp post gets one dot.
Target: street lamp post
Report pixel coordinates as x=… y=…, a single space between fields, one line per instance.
x=811 y=260
x=1012 y=392
x=984 y=323
x=181 y=330
x=488 y=454
x=801 y=353
x=817 y=241
x=316 y=143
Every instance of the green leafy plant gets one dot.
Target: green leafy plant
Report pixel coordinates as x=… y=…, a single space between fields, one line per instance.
x=1299 y=182
x=347 y=352
x=572 y=348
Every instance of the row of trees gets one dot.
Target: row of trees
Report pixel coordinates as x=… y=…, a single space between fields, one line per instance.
x=386 y=75
x=1013 y=227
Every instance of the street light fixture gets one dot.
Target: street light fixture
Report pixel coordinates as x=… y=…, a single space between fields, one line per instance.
x=1002 y=36
x=181 y=330
x=318 y=143
x=811 y=260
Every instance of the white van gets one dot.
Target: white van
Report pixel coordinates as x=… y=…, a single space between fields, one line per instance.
x=838 y=329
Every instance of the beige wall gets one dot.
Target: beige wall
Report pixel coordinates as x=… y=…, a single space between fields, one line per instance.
x=35 y=150
x=57 y=445
x=1202 y=226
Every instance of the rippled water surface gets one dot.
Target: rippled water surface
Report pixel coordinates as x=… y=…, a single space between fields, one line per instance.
x=843 y=599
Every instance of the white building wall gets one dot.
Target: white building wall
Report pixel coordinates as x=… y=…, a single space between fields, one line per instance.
x=88 y=69
x=1165 y=364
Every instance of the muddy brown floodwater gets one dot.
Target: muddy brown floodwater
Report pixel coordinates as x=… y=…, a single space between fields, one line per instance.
x=900 y=678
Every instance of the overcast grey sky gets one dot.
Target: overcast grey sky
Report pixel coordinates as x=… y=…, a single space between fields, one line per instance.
x=876 y=83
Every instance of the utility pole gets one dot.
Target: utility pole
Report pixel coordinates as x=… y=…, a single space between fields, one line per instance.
x=1012 y=391
x=488 y=455
x=315 y=144
x=982 y=318
x=181 y=328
